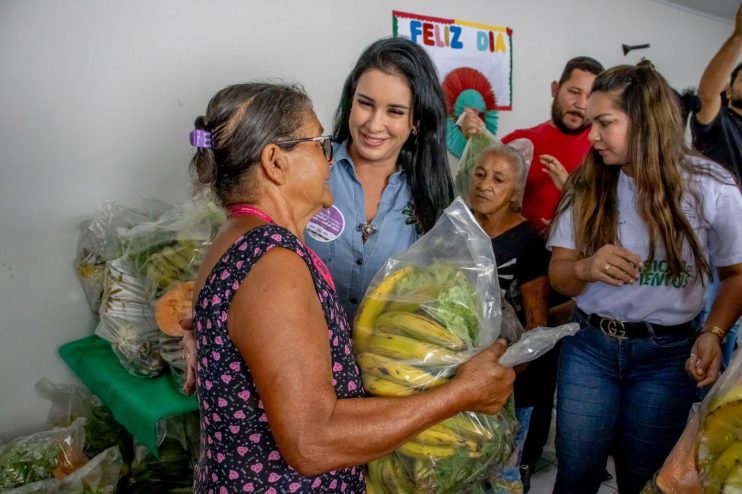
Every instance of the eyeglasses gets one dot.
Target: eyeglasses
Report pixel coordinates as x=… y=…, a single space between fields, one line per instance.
x=324 y=141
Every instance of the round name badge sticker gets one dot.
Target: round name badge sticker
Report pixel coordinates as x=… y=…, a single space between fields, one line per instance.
x=327 y=225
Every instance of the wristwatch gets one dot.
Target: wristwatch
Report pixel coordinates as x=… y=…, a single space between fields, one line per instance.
x=717 y=331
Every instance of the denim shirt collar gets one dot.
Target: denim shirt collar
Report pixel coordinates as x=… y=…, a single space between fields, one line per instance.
x=343 y=159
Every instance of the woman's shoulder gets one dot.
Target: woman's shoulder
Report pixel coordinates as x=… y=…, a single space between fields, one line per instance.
x=522 y=234
x=527 y=231
x=708 y=173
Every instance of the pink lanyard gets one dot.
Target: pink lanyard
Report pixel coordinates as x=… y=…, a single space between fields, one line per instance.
x=236 y=210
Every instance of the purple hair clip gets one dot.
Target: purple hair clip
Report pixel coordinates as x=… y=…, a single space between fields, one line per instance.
x=200 y=138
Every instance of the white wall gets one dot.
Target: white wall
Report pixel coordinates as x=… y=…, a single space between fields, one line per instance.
x=97 y=99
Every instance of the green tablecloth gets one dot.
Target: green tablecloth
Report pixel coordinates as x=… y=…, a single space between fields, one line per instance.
x=137 y=403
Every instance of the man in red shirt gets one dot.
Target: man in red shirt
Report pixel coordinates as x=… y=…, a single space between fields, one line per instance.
x=559 y=144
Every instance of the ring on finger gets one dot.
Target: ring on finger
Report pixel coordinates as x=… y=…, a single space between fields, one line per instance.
x=607 y=268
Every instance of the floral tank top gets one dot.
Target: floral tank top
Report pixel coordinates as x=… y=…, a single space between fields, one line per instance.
x=238 y=451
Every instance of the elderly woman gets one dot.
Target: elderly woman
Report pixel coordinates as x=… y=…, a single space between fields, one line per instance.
x=495 y=194
x=282 y=408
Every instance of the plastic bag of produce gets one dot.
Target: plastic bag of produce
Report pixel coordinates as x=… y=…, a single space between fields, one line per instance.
x=708 y=456
x=98 y=476
x=428 y=310
x=70 y=402
x=127 y=320
x=169 y=250
x=178 y=450
x=474 y=147
x=49 y=454
x=100 y=242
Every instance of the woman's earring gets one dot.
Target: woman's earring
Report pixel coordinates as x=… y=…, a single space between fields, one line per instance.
x=414 y=130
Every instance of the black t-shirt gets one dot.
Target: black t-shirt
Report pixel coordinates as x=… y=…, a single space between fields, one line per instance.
x=521 y=256
x=721 y=140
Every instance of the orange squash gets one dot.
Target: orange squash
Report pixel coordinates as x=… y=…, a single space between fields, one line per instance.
x=173 y=307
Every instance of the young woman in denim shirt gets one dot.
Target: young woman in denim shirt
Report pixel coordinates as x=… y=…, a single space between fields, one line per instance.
x=391 y=178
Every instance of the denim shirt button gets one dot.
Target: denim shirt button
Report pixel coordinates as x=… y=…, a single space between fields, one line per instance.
x=359 y=261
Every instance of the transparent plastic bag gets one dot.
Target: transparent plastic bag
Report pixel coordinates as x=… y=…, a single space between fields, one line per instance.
x=70 y=402
x=100 y=242
x=708 y=456
x=169 y=250
x=171 y=352
x=178 y=450
x=98 y=476
x=475 y=145
x=48 y=454
x=127 y=320
x=428 y=310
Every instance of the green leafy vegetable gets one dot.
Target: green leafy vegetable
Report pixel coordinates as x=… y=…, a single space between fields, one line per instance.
x=28 y=462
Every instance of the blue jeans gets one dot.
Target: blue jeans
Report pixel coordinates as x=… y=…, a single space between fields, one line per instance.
x=629 y=396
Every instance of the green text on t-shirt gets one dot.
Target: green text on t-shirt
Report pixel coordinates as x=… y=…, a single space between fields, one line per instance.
x=655 y=274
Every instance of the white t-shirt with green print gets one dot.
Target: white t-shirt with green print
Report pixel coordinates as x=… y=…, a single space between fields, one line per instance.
x=657 y=298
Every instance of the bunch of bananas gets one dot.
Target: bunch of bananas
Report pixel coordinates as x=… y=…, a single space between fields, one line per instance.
x=404 y=351
x=719 y=447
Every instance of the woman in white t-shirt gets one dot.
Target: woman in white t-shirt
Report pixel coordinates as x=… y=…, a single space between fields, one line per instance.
x=635 y=234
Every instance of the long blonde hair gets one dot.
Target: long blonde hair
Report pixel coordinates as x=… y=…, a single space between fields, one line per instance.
x=661 y=170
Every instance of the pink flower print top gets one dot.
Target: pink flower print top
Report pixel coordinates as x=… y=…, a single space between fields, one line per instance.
x=238 y=451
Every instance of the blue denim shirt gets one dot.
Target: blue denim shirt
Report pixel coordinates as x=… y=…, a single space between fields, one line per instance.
x=352 y=263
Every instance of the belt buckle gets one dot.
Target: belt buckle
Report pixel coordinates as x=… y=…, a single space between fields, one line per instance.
x=613 y=327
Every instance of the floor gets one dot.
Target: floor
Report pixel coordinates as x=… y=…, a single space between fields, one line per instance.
x=542 y=481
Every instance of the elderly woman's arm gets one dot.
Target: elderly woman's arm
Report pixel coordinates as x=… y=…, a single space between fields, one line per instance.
x=704 y=362
x=569 y=273
x=279 y=328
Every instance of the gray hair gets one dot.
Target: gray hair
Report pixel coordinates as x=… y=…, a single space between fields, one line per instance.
x=515 y=158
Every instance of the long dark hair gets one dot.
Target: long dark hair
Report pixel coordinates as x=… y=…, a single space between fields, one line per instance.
x=423 y=157
x=661 y=166
x=243 y=119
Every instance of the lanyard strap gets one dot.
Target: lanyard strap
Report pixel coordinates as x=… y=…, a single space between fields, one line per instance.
x=236 y=210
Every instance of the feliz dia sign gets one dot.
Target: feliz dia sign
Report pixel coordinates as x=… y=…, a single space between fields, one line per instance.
x=454 y=44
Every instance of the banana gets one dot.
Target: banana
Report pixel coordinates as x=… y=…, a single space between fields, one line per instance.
x=388 y=368
x=373 y=305
x=379 y=386
x=721 y=428
x=413 y=300
x=733 y=482
x=419 y=328
x=390 y=477
x=374 y=484
x=440 y=435
x=468 y=425
x=403 y=348
x=372 y=488
x=733 y=394
x=722 y=467
x=402 y=474
x=421 y=474
x=420 y=451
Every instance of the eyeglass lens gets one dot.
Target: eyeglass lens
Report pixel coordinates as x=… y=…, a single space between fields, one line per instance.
x=327 y=148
